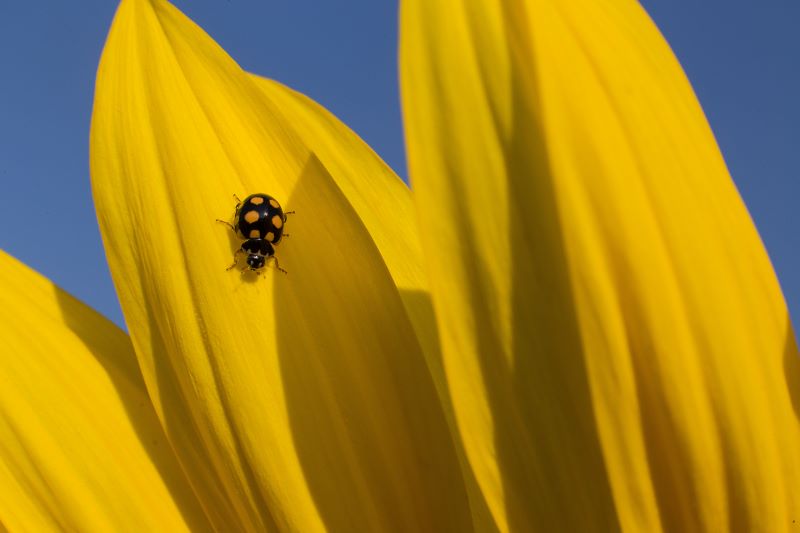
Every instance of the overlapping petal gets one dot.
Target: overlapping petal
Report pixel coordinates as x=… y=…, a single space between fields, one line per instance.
x=296 y=402
x=617 y=346
x=380 y=199
x=385 y=206
x=81 y=448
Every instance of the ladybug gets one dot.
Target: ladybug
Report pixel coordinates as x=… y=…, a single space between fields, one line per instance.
x=260 y=220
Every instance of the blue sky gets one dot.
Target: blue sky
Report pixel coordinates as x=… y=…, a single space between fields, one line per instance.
x=742 y=61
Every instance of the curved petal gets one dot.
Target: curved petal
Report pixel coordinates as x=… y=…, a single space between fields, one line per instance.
x=295 y=402
x=617 y=345
x=381 y=200
x=81 y=448
x=385 y=206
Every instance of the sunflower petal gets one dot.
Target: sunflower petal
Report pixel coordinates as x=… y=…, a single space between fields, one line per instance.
x=379 y=197
x=296 y=402
x=81 y=448
x=617 y=345
x=385 y=206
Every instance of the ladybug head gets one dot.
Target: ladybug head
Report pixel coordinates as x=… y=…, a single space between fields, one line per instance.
x=258 y=251
x=256 y=261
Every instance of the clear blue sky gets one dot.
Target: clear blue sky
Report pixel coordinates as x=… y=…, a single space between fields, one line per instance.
x=743 y=59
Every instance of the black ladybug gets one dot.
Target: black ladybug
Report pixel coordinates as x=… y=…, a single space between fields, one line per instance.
x=260 y=220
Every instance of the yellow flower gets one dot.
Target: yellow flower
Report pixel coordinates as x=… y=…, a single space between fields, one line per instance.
x=570 y=325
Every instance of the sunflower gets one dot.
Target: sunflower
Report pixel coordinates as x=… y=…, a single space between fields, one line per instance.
x=567 y=323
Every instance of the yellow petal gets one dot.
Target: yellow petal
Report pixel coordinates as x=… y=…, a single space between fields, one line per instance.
x=385 y=206
x=295 y=402
x=379 y=197
x=617 y=345
x=81 y=448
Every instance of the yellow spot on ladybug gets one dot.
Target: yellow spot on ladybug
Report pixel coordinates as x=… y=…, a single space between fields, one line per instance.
x=255 y=234
x=256 y=200
x=277 y=222
x=251 y=216
x=270 y=236
x=274 y=203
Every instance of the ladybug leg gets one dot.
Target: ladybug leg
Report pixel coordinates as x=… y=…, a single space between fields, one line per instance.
x=238 y=202
x=287 y=213
x=277 y=265
x=227 y=224
x=235 y=259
